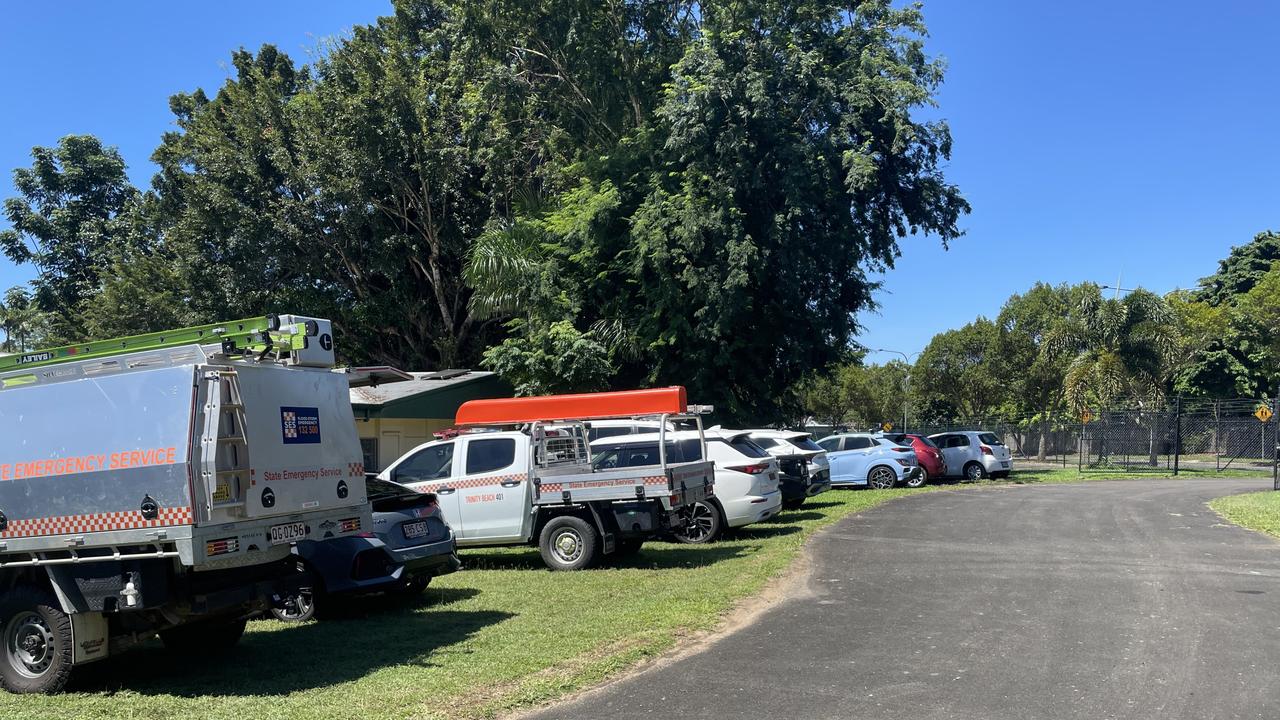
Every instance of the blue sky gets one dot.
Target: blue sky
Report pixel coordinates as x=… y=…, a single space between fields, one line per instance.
x=1094 y=139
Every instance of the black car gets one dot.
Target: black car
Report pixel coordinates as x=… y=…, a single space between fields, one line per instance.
x=409 y=545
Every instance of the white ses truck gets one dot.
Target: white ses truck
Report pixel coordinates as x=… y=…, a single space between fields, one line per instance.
x=154 y=484
x=520 y=472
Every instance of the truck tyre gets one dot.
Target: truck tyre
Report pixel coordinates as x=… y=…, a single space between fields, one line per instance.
x=568 y=543
x=705 y=524
x=37 y=652
x=204 y=637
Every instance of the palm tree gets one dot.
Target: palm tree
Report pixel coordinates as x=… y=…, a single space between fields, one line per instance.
x=1119 y=350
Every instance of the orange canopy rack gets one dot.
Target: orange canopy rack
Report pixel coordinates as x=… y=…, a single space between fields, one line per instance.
x=585 y=406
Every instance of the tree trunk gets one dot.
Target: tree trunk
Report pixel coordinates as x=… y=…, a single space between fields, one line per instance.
x=1044 y=439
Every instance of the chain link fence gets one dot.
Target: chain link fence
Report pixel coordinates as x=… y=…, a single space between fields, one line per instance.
x=1201 y=434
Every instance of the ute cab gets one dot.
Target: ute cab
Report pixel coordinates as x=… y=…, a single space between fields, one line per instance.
x=518 y=472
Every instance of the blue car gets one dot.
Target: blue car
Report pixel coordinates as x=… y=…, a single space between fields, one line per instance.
x=410 y=544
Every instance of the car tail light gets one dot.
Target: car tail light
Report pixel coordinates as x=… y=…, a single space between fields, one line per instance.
x=750 y=469
x=366 y=535
x=985 y=450
x=903 y=462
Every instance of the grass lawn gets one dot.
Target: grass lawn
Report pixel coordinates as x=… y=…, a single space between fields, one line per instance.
x=1256 y=511
x=504 y=633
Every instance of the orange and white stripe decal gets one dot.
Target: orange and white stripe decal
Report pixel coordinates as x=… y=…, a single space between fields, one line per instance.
x=100 y=522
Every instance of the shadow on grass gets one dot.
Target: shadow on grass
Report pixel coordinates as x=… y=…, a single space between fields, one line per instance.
x=655 y=554
x=275 y=660
x=799 y=515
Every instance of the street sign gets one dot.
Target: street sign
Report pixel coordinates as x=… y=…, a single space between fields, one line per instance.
x=886 y=426
x=1263 y=413
x=1085 y=416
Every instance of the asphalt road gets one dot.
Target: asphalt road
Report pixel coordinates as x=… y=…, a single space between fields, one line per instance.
x=1119 y=599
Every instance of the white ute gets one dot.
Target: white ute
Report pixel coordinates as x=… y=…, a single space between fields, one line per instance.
x=156 y=483
x=520 y=473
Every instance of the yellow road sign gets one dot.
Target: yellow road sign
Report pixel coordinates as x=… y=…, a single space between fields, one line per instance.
x=1263 y=413
x=1085 y=416
x=887 y=426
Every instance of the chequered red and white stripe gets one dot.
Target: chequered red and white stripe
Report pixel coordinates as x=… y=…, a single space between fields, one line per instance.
x=355 y=470
x=469 y=482
x=101 y=522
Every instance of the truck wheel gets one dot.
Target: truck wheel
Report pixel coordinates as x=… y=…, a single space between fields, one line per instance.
x=203 y=637
x=568 y=543
x=704 y=525
x=37 y=642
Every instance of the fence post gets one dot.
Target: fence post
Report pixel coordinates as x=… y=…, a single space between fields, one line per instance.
x=1217 y=434
x=1275 y=454
x=1177 y=432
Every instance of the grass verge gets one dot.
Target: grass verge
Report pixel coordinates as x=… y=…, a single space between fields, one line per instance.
x=501 y=635
x=1257 y=511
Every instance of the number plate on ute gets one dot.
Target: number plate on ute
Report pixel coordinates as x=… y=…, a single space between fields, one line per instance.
x=415 y=530
x=287 y=533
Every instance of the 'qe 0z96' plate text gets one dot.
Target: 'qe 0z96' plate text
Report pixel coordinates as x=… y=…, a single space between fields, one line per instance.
x=287 y=533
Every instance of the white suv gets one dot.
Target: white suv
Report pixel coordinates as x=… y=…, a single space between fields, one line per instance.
x=974 y=454
x=746 y=489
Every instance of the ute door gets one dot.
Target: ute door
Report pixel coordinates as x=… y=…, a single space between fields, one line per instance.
x=494 y=490
x=431 y=468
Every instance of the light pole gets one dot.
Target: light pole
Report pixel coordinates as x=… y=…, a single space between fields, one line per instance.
x=906 y=382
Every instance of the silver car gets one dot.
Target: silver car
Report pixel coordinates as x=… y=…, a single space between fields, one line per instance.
x=974 y=454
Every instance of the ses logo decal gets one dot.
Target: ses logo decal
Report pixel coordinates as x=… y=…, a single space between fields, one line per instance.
x=300 y=425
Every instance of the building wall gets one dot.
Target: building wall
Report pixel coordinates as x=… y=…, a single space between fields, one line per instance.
x=386 y=439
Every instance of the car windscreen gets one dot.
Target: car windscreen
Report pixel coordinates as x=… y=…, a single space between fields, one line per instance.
x=925 y=440
x=806 y=443
x=765 y=442
x=596 y=433
x=989 y=439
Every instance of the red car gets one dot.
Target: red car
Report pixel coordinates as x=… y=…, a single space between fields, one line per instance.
x=928 y=454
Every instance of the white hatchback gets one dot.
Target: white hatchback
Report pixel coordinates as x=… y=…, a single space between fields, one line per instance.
x=746 y=489
x=974 y=454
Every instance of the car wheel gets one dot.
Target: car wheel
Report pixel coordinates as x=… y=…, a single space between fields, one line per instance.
x=36 y=653
x=882 y=478
x=974 y=471
x=704 y=525
x=297 y=608
x=793 y=504
x=568 y=543
x=920 y=479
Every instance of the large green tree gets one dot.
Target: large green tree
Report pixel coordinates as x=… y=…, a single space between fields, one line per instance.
x=72 y=211
x=725 y=242
x=961 y=374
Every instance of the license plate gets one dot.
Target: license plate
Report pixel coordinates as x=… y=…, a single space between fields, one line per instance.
x=415 y=530
x=287 y=533
x=1004 y=464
